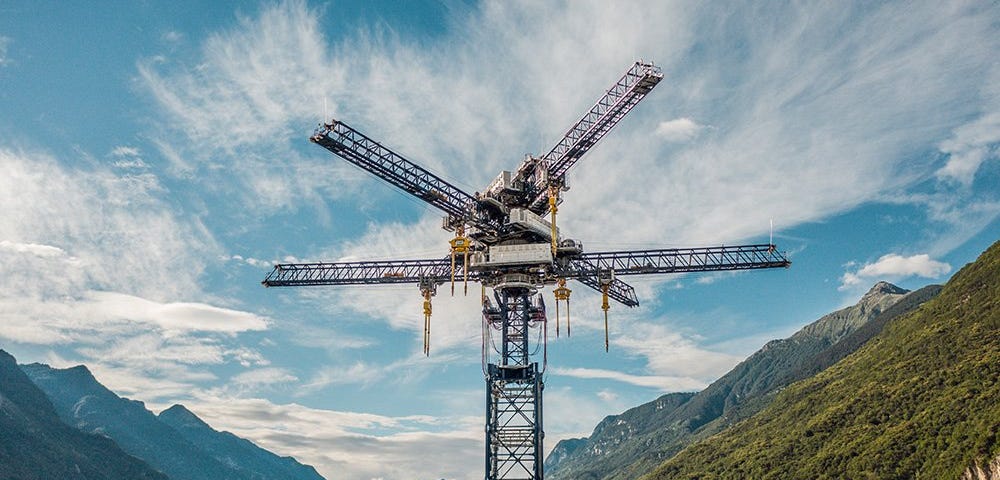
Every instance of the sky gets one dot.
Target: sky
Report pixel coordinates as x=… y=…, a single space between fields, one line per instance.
x=154 y=164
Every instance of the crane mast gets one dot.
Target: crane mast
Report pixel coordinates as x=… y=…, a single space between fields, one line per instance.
x=504 y=242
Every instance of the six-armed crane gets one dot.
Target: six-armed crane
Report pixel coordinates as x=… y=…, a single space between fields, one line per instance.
x=504 y=242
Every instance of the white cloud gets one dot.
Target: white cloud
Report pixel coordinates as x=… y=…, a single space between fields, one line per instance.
x=117 y=232
x=125 y=151
x=4 y=45
x=671 y=354
x=172 y=36
x=663 y=383
x=349 y=444
x=173 y=316
x=678 y=130
x=32 y=248
x=263 y=377
x=790 y=140
x=896 y=266
x=101 y=267
x=970 y=146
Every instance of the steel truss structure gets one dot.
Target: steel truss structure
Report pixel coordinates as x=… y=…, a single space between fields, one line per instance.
x=513 y=250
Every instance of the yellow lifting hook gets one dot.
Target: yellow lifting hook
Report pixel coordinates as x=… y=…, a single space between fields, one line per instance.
x=562 y=293
x=605 y=306
x=553 y=198
x=427 y=290
x=605 y=280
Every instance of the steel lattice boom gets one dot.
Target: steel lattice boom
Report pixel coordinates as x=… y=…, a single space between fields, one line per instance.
x=358 y=273
x=357 y=148
x=679 y=260
x=513 y=250
x=605 y=114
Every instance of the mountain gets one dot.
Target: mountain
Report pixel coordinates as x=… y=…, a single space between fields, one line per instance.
x=658 y=431
x=239 y=453
x=190 y=452
x=36 y=445
x=919 y=400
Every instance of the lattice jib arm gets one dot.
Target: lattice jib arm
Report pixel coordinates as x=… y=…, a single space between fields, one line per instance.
x=679 y=260
x=598 y=121
x=373 y=157
x=603 y=116
x=360 y=273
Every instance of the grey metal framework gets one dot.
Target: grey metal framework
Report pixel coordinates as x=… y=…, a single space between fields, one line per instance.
x=500 y=230
x=514 y=432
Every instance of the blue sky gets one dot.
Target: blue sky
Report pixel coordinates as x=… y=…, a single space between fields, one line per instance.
x=154 y=163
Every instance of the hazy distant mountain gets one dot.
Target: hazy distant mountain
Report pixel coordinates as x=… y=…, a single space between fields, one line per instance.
x=240 y=454
x=36 y=444
x=919 y=400
x=645 y=436
x=187 y=453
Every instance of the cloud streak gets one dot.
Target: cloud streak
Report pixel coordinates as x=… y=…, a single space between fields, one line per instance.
x=423 y=445
x=896 y=266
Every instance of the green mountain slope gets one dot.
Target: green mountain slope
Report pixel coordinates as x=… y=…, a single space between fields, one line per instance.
x=628 y=445
x=920 y=400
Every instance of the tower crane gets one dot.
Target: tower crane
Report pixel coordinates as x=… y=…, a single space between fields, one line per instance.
x=504 y=242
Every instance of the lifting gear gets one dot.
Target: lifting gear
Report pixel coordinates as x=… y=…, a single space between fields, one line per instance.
x=605 y=281
x=562 y=293
x=460 y=244
x=553 y=199
x=427 y=289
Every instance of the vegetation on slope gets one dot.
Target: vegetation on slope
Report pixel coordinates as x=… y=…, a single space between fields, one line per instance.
x=917 y=401
x=626 y=446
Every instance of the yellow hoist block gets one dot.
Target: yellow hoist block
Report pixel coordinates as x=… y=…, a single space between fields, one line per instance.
x=562 y=293
x=553 y=199
x=427 y=293
x=605 y=306
x=460 y=245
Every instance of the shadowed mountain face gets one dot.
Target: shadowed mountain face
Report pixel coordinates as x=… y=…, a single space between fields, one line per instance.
x=240 y=454
x=176 y=443
x=36 y=444
x=646 y=435
x=919 y=400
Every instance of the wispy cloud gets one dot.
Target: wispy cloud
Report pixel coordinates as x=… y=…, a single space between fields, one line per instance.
x=100 y=266
x=4 y=45
x=893 y=266
x=672 y=354
x=662 y=383
x=790 y=139
x=678 y=130
x=970 y=146
x=116 y=231
x=442 y=447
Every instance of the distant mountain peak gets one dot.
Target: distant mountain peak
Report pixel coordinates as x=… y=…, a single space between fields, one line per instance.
x=885 y=288
x=179 y=415
x=6 y=357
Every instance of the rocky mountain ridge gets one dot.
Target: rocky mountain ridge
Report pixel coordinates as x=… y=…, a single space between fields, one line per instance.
x=36 y=445
x=177 y=442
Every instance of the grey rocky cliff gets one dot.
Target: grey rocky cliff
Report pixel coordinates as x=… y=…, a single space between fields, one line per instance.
x=989 y=471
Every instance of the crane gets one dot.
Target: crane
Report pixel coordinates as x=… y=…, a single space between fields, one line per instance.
x=504 y=241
